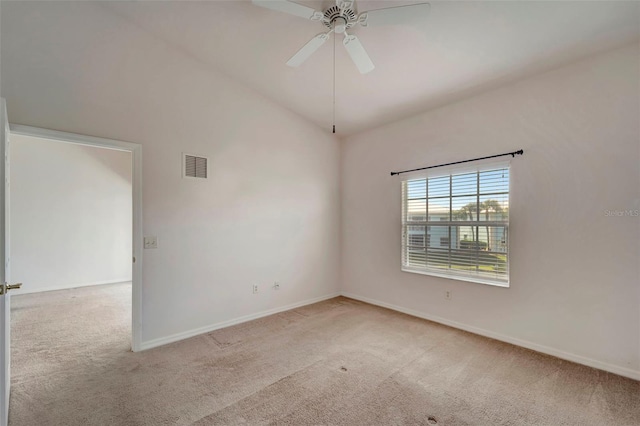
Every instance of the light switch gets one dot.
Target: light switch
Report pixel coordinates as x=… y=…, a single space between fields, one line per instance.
x=150 y=242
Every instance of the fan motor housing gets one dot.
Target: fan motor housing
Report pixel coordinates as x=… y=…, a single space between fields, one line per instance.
x=333 y=13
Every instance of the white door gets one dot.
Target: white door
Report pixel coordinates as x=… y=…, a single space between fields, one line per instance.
x=5 y=272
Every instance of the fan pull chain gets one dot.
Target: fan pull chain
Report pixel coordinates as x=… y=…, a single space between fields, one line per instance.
x=334 y=83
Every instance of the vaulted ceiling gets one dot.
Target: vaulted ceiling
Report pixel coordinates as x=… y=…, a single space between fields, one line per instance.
x=464 y=48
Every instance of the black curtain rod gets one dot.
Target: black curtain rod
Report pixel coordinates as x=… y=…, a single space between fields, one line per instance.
x=512 y=154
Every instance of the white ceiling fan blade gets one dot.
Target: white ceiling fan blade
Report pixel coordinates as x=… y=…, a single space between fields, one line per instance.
x=344 y=4
x=289 y=7
x=414 y=14
x=358 y=55
x=308 y=49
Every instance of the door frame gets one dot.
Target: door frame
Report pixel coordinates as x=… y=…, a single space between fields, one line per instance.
x=5 y=269
x=136 y=186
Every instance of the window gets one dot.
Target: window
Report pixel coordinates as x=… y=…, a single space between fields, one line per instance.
x=467 y=227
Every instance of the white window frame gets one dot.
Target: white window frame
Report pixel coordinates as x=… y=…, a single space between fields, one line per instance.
x=477 y=277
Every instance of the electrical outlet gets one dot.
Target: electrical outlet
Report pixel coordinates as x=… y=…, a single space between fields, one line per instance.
x=255 y=288
x=276 y=285
x=150 y=242
x=447 y=295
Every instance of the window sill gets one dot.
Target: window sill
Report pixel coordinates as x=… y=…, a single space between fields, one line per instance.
x=476 y=280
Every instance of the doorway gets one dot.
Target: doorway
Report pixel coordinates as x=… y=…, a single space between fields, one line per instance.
x=122 y=161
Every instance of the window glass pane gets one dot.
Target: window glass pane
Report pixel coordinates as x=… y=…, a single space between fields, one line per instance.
x=438 y=259
x=494 y=181
x=416 y=257
x=492 y=263
x=492 y=238
x=500 y=242
x=467 y=237
x=416 y=189
x=466 y=184
x=416 y=236
x=465 y=208
x=463 y=260
x=439 y=187
x=439 y=209
x=437 y=236
x=416 y=210
x=494 y=207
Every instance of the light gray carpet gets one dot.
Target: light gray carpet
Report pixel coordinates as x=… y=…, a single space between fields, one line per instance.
x=338 y=362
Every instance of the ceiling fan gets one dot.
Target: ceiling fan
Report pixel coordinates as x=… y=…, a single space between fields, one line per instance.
x=339 y=19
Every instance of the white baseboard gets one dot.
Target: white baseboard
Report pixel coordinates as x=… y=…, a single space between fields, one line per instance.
x=209 y=328
x=26 y=290
x=622 y=371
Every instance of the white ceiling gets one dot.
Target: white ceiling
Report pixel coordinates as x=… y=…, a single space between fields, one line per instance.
x=466 y=47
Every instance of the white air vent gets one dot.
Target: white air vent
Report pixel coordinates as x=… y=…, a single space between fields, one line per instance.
x=195 y=166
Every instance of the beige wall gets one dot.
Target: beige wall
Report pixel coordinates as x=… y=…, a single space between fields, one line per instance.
x=71 y=214
x=574 y=270
x=270 y=209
